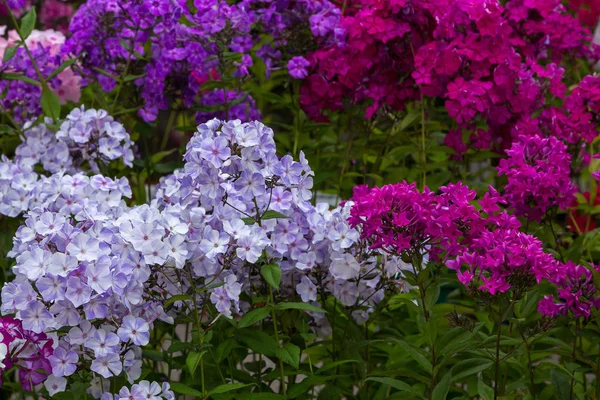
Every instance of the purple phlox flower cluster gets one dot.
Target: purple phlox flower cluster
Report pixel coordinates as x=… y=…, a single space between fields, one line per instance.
x=242 y=106
x=143 y=390
x=93 y=136
x=28 y=351
x=84 y=140
x=112 y=34
x=231 y=182
x=77 y=269
x=538 y=171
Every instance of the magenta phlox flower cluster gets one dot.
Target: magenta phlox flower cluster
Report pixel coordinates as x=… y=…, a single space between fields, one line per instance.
x=29 y=352
x=575 y=292
x=476 y=238
x=493 y=65
x=538 y=171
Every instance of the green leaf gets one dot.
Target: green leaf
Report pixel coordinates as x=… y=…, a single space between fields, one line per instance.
x=9 y=53
x=193 y=359
x=177 y=297
x=184 y=389
x=270 y=214
x=289 y=354
x=254 y=316
x=562 y=385
x=153 y=355
x=66 y=64
x=168 y=167
x=441 y=389
x=28 y=23
x=396 y=384
x=258 y=341
x=11 y=76
x=157 y=157
x=130 y=78
x=228 y=387
x=299 y=306
x=416 y=355
x=304 y=386
x=335 y=364
x=260 y=396
x=469 y=367
x=271 y=273
x=486 y=392
x=224 y=349
x=50 y=103
x=432 y=296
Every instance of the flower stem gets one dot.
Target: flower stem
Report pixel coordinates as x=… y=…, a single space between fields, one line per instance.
x=276 y=330
x=497 y=360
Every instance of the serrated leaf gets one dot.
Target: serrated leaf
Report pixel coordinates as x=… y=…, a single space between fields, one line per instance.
x=290 y=354
x=50 y=103
x=11 y=76
x=185 y=389
x=299 y=306
x=66 y=64
x=193 y=360
x=254 y=316
x=440 y=392
x=9 y=53
x=271 y=273
x=28 y=23
x=228 y=387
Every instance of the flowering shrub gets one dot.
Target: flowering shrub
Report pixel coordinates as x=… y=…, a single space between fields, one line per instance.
x=299 y=200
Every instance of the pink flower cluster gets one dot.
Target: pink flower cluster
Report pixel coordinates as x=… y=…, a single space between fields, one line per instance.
x=51 y=41
x=538 y=171
x=492 y=65
x=476 y=238
x=26 y=350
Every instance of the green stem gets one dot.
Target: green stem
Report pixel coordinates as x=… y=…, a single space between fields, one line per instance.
x=127 y=64
x=562 y=259
x=276 y=329
x=169 y=128
x=35 y=66
x=598 y=374
x=497 y=359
